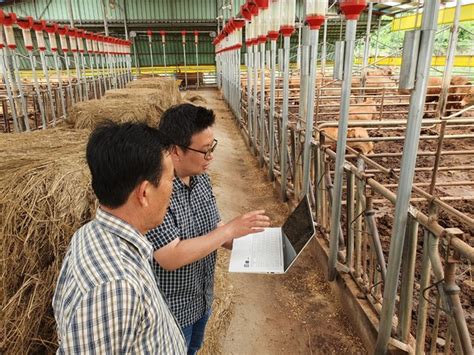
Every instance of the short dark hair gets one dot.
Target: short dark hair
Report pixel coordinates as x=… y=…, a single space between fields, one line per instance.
x=121 y=156
x=179 y=123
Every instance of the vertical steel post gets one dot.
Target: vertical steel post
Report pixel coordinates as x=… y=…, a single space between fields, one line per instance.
x=37 y=88
x=163 y=44
x=351 y=26
x=262 y=103
x=238 y=85
x=314 y=38
x=422 y=310
x=304 y=72
x=197 y=58
x=284 y=123
x=60 y=83
x=38 y=29
x=68 y=71
x=367 y=46
x=298 y=48
x=271 y=118
x=106 y=25
x=324 y=48
x=249 y=91
x=83 y=65
x=408 y=279
x=407 y=171
x=14 y=78
x=183 y=34
x=149 y=33
x=7 y=83
x=256 y=64
x=376 y=53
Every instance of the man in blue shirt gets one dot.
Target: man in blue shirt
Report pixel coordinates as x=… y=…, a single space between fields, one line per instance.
x=186 y=242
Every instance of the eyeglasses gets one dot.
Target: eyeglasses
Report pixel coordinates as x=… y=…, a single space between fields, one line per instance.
x=207 y=153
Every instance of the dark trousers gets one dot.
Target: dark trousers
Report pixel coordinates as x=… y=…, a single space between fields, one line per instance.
x=194 y=333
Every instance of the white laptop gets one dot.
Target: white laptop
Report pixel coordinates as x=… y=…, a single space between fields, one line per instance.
x=275 y=249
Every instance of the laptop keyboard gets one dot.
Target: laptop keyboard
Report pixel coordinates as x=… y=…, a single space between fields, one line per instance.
x=266 y=251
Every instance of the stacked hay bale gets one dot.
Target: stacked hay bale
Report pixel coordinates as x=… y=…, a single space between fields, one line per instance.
x=45 y=196
x=168 y=89
x=88 y=114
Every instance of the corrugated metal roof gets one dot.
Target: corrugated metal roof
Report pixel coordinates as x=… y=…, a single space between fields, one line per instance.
x=137 y=10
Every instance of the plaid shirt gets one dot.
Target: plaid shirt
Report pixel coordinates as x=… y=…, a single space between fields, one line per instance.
x=192 y=213
x=106 y=300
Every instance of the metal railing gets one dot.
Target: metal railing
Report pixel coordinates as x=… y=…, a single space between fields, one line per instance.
x=431 y=309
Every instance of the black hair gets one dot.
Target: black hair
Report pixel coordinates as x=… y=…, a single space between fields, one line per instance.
x=179 y=123
x=121 y=156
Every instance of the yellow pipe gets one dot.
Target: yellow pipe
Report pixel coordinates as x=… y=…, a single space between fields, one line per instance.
x=459 y=61
x=445 y=16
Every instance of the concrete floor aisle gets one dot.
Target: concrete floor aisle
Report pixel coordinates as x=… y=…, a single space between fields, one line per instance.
x=294 y=313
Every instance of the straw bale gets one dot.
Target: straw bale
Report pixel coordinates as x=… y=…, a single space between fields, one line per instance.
x=89 y=114
x=167 y=87
x=222 y=307
x=161 y=102
x=45 y=196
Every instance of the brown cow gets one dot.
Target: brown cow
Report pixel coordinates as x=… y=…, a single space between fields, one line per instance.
x=468 y=99
x=432 y=92
x=463 y=95
x=356 y=132
x=363 y=113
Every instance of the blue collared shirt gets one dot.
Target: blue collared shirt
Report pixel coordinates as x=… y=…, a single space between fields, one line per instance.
x=107 y=300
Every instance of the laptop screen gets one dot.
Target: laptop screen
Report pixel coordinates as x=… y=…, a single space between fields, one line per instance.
x=298 y=229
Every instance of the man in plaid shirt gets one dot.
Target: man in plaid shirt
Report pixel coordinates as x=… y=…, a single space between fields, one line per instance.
x=107 y=300
x=186 y=242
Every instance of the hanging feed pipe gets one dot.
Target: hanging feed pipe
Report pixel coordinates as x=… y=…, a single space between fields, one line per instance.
x=183 y=41
x=149 y=33
x=105 y=62
x=351 y=10
x=365 y=59
x=38 y=27
x=71 y=33
x=248 y=43
x=196 y=39
x=163 y=45
x=118 y=55
x=315 y=16
x=256 y=66
x=80 y=48
x=98 y=63
x=415 y=116
x=88 y=36
x=262 y=25
x=113 y=42
x=272 y=35
x=26 y=24
x=128 y=58
x=6 y=23
x=7 y=82
x=250 y=10
x=324 y=48
x=62 y=31
x=52 y=29
x=287 y=28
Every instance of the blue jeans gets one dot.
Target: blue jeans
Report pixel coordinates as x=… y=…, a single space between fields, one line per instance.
x=194 y=333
